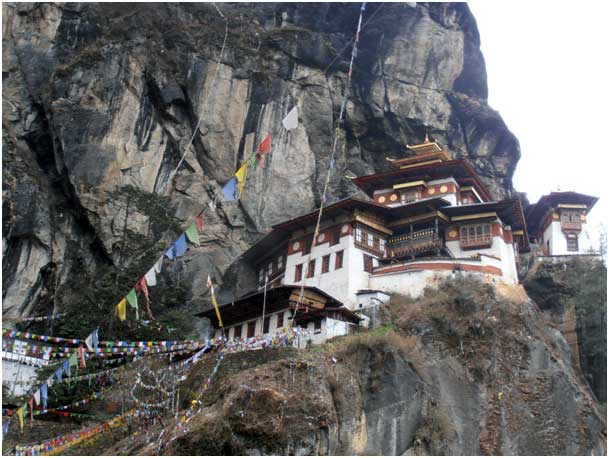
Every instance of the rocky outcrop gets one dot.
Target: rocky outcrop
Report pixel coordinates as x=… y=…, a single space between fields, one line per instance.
x=572 y=293
x=99 y=98
x=466 y=370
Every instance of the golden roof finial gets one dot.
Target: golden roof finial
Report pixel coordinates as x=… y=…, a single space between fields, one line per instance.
x=427 y=138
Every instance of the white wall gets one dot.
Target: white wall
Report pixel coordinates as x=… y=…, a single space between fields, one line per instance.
x=504 y=251
x=558 y=240
x=24 y=374
x=413 y=282
x=341 y=284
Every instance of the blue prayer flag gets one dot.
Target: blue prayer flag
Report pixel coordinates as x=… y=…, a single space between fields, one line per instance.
x=230 y=189
x=95 y=340
x=180 y=245
x=58 y=374
x=66 y=367
x=170 y=253
x=44 y=395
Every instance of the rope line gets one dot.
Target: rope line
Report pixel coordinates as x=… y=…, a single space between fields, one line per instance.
x=332 y=157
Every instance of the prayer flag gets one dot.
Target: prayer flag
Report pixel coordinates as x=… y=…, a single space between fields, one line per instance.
x=5 y=429
x=121 y=311
x=66 y=367
x=37 y=397
x=44 y=394
x=158 y=266
x=193 y=234
x=241 y=176
x=89 y=341
x=180 y=245
x=171 y=253
x=230 y=189
x=199 y=221
x=214 y=301
x=143 y=287
x=291 y=120
x=150 y=277
x=58 y=374
x=20 y=415
x=95 y=339
x=73 y=361
x=81 y=354
x=265 y=145
x=31 y=404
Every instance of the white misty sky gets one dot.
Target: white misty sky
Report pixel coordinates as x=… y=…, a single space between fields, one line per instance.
x=547 y=77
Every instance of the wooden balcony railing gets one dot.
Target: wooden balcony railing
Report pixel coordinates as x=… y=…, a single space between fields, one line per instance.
x=485 y=241
x=372 y=249
x=415 y=243
x=571 y=226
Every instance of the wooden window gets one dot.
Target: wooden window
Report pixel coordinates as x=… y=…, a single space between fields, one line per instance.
x=317 y=325
x=261 y=277
x=237 y=334
x=338 y=263
x=572 y=244
x=335 y=237
x=325 y=264
x=476 y=235
x=368 y=266
x=298 y=273
x=306 y=247
x=280 y=263
x=267 y=324
x=280 y=319
x=311 y=269
x=251 y=329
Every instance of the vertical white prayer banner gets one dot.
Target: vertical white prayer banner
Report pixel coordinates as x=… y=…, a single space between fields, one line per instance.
x=151 y=277
x=291 y=120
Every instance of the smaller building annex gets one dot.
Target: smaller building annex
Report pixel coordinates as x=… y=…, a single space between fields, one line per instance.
x=557 y=224
x=262 y=314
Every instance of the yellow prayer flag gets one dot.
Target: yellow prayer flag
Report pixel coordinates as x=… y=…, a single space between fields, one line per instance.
x=215 y=303
x=241 y=175
x=20 y=416
x=121 y=309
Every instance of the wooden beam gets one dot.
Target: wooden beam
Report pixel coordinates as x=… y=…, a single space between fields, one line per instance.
x=372 y=224
x=409 y=184
x=474 y=216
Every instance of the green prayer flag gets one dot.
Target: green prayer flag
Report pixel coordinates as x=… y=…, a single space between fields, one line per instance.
x=192 y=234
x=132 y=299
x=73 y=360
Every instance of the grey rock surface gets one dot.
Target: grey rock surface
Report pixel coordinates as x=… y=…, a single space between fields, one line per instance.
x=98 y=97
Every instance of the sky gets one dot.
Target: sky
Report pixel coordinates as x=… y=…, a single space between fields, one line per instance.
x=547 y=73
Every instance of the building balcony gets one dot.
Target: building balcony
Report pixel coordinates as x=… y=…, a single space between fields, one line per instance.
x=371 y=249
x=570 y=226
x=485 y=241
x=415 y=243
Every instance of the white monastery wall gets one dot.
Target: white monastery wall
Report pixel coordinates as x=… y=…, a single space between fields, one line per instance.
x=558 y=240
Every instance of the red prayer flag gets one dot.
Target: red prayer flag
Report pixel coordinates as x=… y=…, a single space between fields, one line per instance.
x=265 y=146
x=199 y=221
x=81 y=354
x=31 y=404
x=142 y=286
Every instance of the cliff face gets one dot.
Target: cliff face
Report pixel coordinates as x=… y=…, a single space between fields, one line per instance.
x=101 y=101
x=572 y=292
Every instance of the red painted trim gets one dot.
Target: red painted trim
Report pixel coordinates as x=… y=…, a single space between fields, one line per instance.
x=442 y=266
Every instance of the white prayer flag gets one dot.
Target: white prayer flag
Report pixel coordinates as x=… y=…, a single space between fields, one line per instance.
x=151 y=277
x=37 y=397
x=158 y=265
x=291 y=120
x=89 y=342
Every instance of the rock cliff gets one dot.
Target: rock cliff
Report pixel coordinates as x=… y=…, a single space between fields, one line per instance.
x=465 y=370
x=101 y=102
